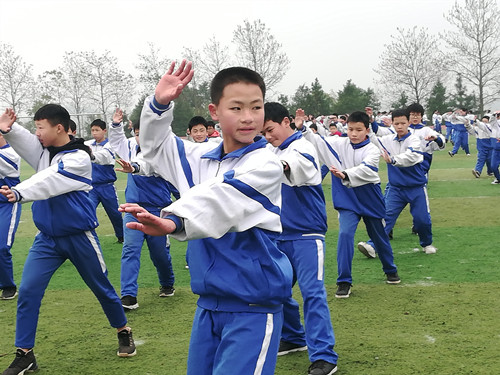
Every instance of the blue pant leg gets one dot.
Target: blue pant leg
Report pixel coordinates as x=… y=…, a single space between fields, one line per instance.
x=159 y=252
x=131 y=258
x=489 y=152
x=9 y=221
x=42 y=261
x=482 y=154
x=420 y=210
x=203 y=343
x=457 y=142
x=293 y=331
x=376 y=232
x=309 y=267
x=84 y=251
x=109 y=200
x=495 y=163
x=448 y=132
x=348 y=222
x=465 y=141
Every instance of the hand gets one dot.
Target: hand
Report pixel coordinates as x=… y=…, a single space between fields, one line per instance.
x=337 y=173
x=126 y=167
x=386 y=157
x=117 y=116
x=7 y=119
x=148 y=223
x=299 y=118
x=171 y=84
x=8 y=193
x=369 y=111
x=430 y=138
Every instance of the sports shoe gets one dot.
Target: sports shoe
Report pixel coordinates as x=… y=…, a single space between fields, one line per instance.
x=9 y=293
x=413 y=230
x=129 y=303
x=167 y=291
x=391 y=234
x=321 y=367
x=468 y=154
x=343 y=290
x=126 y=346
x=476 y=173
x=495 y=182
x=24 y=362
x=289 y=347
x=429 y=249
x=393 y=278
x=450 y=153
x=367 y=250
x=119 y=239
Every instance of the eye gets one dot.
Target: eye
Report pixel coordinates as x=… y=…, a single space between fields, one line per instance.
x=235 y=108
x=257 y=107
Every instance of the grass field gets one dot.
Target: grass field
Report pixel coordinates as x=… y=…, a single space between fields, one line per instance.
x=442 y=319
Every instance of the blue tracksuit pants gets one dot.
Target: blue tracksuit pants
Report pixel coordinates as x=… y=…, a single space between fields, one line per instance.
x=495 y=158
x=307 y=257
x=46 y=255
x=106 y=195
x=348 y=222
x=461 y=140
x=9 y=220
x=484 y=152
x=159 y=252
x=234 y=343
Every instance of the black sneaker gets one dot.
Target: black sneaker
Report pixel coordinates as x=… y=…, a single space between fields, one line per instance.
x=119 y=239
x=9 y=293
x=343 y=290
x=413 y=230
x=321 y=367
x=451 y=153
x=24 y=362
x=391 y=234
x=129 y=303
x=167 y=291
x=476 y=173
x=126 y=346
x=288 y=347
x=393 y=278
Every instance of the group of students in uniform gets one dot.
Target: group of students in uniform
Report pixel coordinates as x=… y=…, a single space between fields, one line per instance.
x=260 y=190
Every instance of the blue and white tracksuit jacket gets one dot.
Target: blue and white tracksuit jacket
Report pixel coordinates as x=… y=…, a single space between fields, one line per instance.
x=356 y=197
x=230 y=206
x=428 y=147
x=66 y=219
x=460 y=124
x=482 y=131
x=153 y=193
x=407 y=184
x=10 y=213
x=103 y=178
x=303 y=217
x=449 y=126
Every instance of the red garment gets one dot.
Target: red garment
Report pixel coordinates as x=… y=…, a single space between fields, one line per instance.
x=215 y=134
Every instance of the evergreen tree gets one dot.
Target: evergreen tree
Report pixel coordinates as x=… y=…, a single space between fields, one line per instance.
x=460 y=98
x=438 y=100
x=353 y=98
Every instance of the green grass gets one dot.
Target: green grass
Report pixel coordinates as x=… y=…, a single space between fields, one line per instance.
x=442 y=319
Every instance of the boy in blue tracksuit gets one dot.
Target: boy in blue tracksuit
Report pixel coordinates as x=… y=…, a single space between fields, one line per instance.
x=151 y=192
x=482 y=132
x=460 y=124
x=229 y=211
x=104 y=176
x=66 y=220
x=407 y=179
x=303 y=217
x=356 y=195
x=10 y=214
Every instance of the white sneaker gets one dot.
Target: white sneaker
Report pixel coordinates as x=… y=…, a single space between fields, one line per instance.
x=495 y=182
x=367 y=250
x=430 y=249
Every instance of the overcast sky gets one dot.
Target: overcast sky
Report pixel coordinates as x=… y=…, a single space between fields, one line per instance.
x=333 y=40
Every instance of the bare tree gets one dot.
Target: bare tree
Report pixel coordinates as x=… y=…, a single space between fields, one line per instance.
x=412 y=63
x=475 y=46
x=51 y=85
x=151 y=68
x=214 y=58
x=259 y=50
x=16 y=79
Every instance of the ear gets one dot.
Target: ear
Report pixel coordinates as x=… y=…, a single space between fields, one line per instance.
x=60 y=128
x=286 y=121
x=212 y=108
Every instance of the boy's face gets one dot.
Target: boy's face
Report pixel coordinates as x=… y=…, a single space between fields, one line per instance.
x=401 y=125
x=98 y=134
x=276 y=133
x=210 y=129
x=199 y=133
x=357 y=132
x=49 y=135
x=136 y=135
x=240 y=113
x=415 y=118
x=333 y=128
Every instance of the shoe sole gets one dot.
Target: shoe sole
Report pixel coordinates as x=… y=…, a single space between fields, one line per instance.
x=343 y=295
x=9 y=298
x=330 y=373
x=393 y=282
x=131 y=307
x=475 y=173
x=301 y=349
x=124 y=355
x=167 y=295
x=365 y=252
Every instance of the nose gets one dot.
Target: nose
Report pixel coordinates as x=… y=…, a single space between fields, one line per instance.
x=246 y=116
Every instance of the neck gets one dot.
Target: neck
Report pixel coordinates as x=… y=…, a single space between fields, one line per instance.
x=61 y=141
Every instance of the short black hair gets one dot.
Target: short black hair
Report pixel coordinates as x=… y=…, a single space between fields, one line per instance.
x=234 y=75
x=400 y=113
x=313 y=126
x=197 y=120
x=359 y=116
x=98 y=122
x=211 y=123
x=415 y=108
x=72 y=125
x=136 y=125
x=55 y=114
x=275 y=112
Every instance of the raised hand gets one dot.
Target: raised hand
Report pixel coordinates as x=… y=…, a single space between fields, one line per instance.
x=148 y=223
x=299 y=118
x=7 y=119
x=171 y=84
x=117 y=116
x=126 y=167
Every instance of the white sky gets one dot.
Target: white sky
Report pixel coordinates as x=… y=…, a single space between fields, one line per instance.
x=333 y=40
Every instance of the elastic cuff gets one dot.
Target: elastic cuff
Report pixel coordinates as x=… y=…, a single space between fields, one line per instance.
x=179 y=223
x=157 y=107
x=17 y=194
x=115 y=125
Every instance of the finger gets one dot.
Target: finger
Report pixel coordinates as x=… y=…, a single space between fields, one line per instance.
x=188 y=78
x=135 y=225
x=186 y=70
x=180 y=69
x=171 y=68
